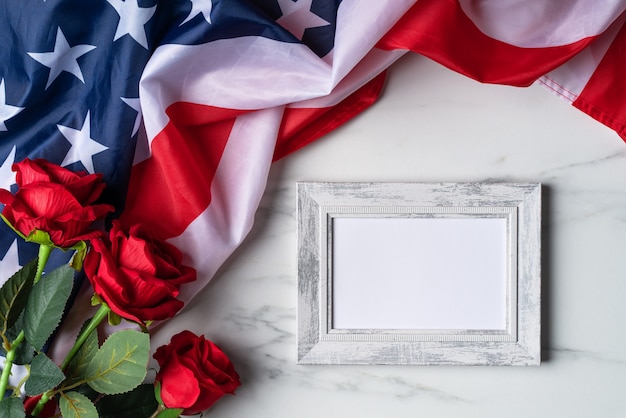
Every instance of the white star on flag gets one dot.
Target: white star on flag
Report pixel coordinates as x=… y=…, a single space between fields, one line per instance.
x=297 y=17
x=132 y=20
x=7 y=176
x=6 y=110
x=62 y=58
x=203 y=7
x=136 y=105
x=9 y=264
x=83 y=146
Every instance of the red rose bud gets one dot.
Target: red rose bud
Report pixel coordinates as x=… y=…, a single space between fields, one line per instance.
x=138 y=277
x=194 y=373
x=54 y=200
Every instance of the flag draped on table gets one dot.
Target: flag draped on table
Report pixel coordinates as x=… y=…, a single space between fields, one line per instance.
x=184 y=104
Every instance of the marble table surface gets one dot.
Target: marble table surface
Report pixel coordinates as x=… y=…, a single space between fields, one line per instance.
x=432 y=125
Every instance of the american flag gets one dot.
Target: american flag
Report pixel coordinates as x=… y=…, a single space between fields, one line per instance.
x=184 y=104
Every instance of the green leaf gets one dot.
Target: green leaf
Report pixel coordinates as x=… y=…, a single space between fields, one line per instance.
x=169 y=413
x=24 y=352
x=75 y=405
x=44 y=376
x=140 y=403
x=12 y=408
x=46 y=304
x=14 y=293
x=120 y=364
x=88 y=392
x=77 y=369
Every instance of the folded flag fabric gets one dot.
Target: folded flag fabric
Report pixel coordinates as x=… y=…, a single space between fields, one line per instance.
x=184 y=104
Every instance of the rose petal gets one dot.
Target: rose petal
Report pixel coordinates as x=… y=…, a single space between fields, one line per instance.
x=29 y=171
x=102 y=272
x=179 y=387
x=49 y=200
x=6 y=197
x=167 y=309
x=162 y=354
x=134 y=253
x=158 y=285
x=86 y=189
x=183 y=341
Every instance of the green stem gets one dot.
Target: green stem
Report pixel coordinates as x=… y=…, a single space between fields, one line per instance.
x=45 y=397
x=165 y=412
x=158 y=411
x=8 y=363
x=102 y=313
x=44 y=254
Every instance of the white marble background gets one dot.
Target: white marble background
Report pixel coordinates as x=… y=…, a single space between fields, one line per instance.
x=434 y=125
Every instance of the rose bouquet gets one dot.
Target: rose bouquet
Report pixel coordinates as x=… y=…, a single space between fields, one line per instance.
x=135 y=279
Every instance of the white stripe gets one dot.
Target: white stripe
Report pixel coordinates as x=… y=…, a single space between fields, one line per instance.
x=360 y=25
x=256 y=73
x=236 y=189
x=542 y=23
x=373 y=64
x=242 y=73
x=569 y=80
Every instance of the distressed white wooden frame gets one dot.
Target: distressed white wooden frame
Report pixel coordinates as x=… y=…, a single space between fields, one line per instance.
x=320 y=204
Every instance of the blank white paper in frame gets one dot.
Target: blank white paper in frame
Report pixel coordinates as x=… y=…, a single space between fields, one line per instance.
x=414 y=273
x=419 y=273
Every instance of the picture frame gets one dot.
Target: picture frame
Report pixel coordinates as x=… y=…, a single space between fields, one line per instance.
x=419 y=273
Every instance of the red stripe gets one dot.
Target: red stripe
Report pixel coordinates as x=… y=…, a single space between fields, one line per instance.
x=604 y=96
x=172 y=187
x=301 y=126
x=440 y=30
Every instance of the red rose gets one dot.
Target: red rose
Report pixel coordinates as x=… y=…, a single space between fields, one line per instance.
x=139 y=278
x=194 y=373
x=54 y=200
